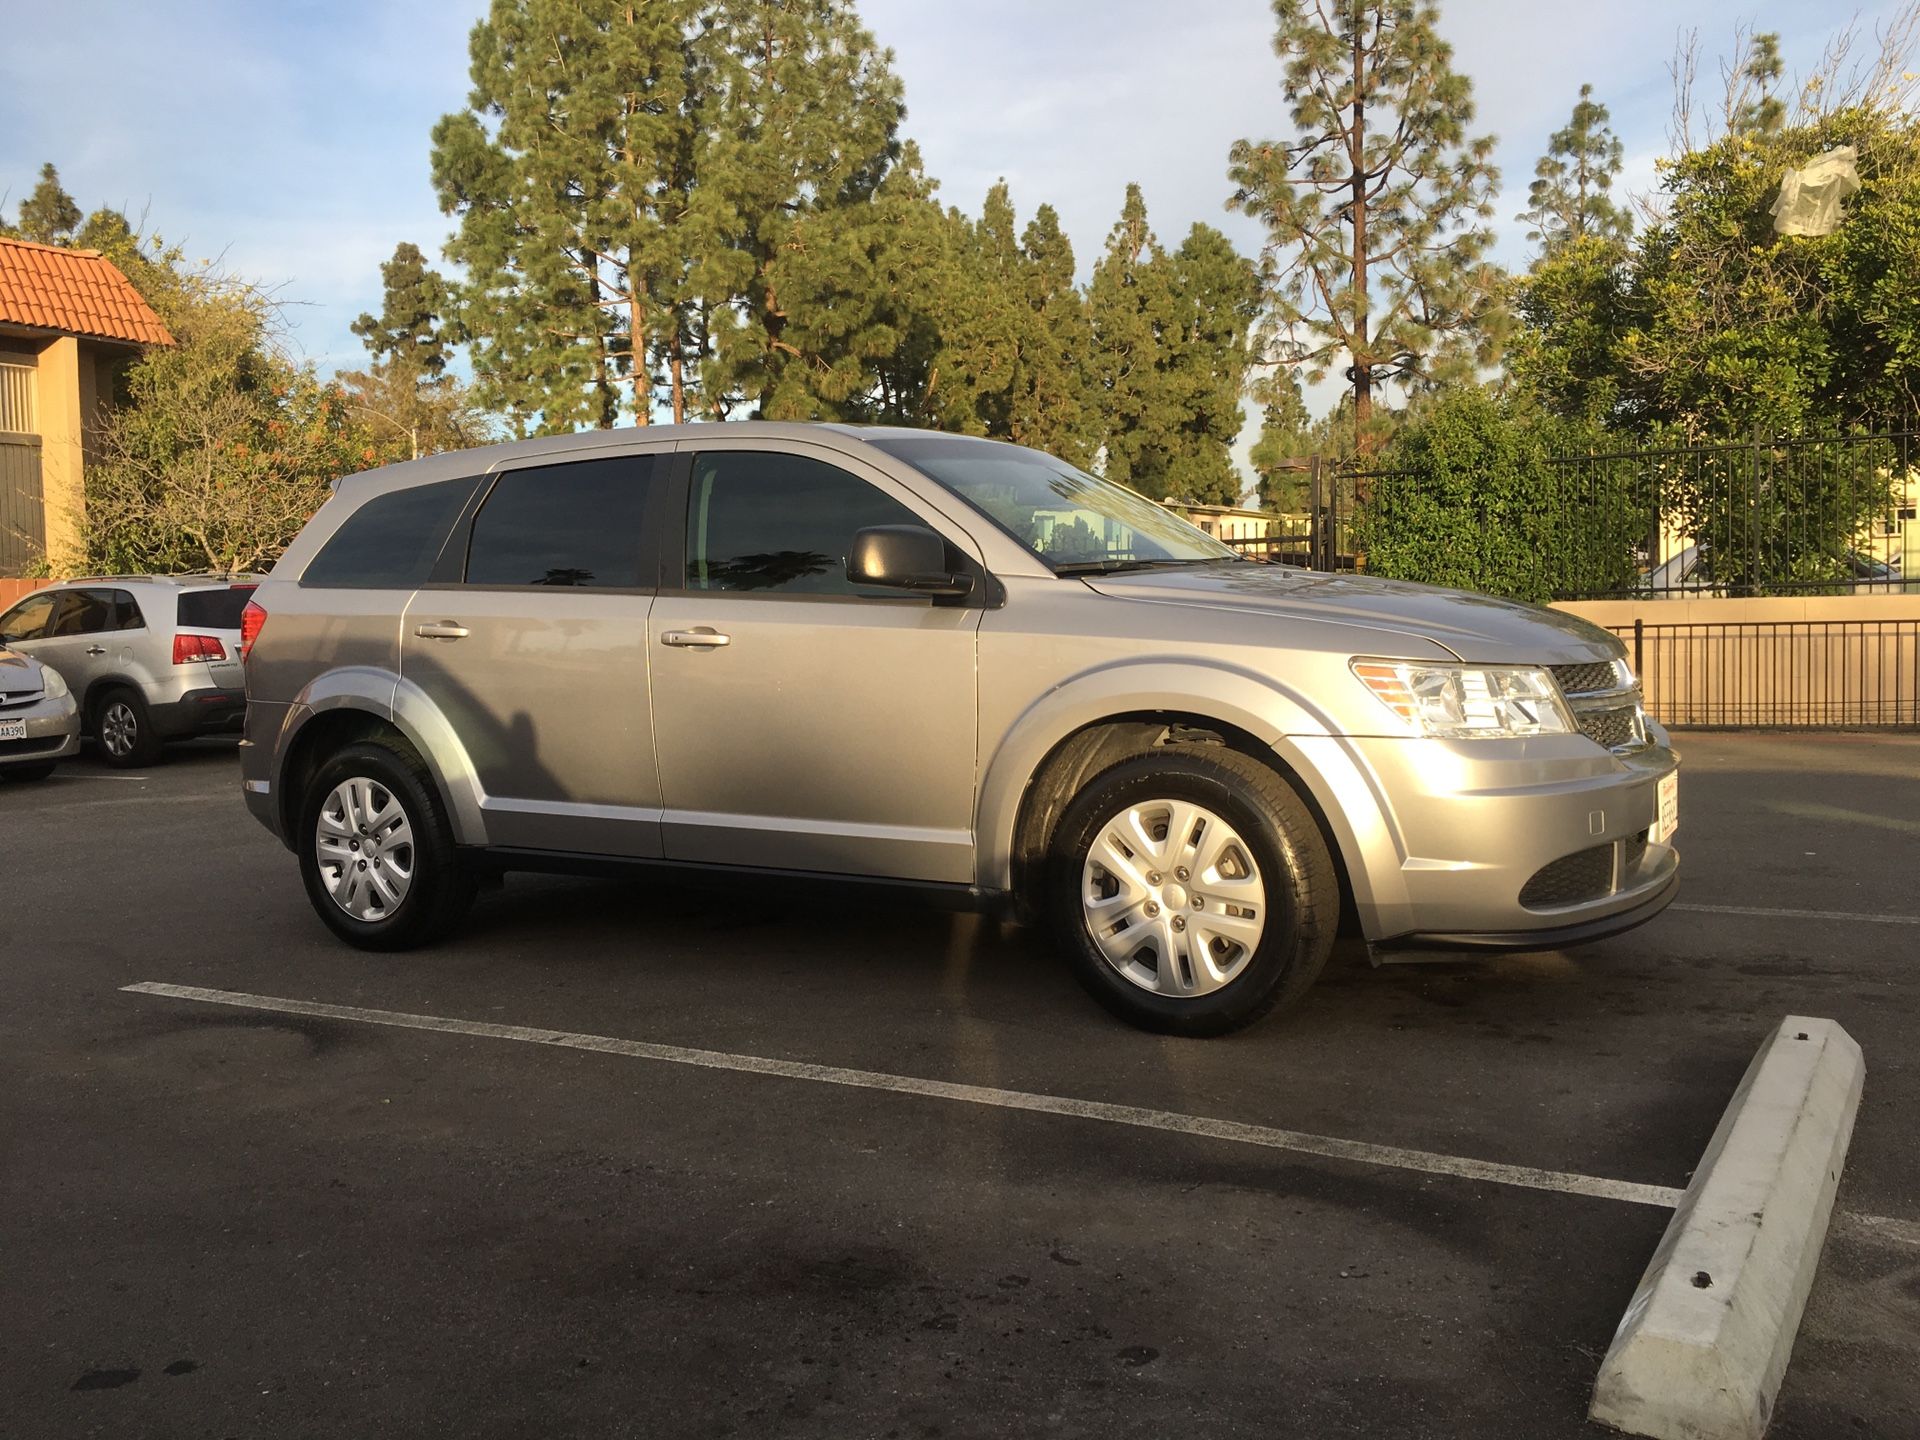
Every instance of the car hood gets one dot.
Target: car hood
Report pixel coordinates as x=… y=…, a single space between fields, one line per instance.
x=19 y=674
x=1474 y=627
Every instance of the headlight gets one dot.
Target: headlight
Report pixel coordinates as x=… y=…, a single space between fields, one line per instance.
x=52 y=682
x=1459 y=702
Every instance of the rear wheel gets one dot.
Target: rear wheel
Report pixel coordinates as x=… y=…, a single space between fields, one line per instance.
x=377 y=853
x=1193 y=890
x=124 y=727
x=26 y=772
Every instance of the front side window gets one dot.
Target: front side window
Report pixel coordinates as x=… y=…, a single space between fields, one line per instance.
x=572 y=524
x=29 y=619
x=1067 y=518
x=81 y=612
x=780 y=524
x=391 y=542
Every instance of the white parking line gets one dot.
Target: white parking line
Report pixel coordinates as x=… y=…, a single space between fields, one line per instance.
x=1326 y=1146
x=1770 y=914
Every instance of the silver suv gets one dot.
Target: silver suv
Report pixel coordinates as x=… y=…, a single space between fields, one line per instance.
x=149 y=658
x=929 y=661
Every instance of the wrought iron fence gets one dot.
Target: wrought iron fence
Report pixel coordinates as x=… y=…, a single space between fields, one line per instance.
x=1837 y=674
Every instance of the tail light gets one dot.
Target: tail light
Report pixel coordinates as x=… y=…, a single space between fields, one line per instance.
x=189 y=648
x=253 y=620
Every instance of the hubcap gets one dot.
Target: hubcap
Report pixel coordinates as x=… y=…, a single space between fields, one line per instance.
x=119 y=728
x=1172 y=898
x=364 y=849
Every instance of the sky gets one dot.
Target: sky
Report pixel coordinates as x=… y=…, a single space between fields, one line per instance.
x=290 y=139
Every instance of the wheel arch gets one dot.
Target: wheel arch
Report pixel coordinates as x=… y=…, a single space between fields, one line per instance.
x=347 y=706
x=1089 y=725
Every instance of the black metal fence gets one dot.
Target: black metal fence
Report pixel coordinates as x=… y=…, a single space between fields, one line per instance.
x=1812 y=674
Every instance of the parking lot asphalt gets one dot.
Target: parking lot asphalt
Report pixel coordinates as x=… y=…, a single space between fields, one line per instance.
x=220 y=1221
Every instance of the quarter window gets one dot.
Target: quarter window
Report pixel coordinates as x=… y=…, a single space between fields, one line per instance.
x=780 y=524
x=573 y=524
x=391 y=541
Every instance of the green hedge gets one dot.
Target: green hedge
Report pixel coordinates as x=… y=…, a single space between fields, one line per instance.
x=1478 y=496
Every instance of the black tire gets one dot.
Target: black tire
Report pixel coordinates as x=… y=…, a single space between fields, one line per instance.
x=123 y=710
x=1285 y=843
x=441 y=889
x=27 y=772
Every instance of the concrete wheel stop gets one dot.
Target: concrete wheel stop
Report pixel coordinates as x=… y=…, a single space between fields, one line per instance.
x=1702 y=1348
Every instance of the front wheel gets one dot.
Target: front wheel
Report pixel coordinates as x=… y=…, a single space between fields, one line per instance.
x=1193 y=890
x=377 y=852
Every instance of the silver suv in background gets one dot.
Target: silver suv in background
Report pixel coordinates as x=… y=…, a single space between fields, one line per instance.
x=929 y=661
x=149 y=658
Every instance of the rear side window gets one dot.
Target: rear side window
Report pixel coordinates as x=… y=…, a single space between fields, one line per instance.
x=573 y=524
x=214 y=609
x=763 y=521
x=391 y=542
x=126 y=612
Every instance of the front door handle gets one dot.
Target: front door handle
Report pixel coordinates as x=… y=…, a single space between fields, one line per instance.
x=700 y=637
x=442 y=630
x=96 y=650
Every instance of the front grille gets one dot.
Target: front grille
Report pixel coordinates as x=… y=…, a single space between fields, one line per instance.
x=1586 y=679
x=19 y=699
x=1612 y=728
x=1571 y=880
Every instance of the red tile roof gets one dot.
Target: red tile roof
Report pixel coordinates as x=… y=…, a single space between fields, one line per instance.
x=80 y=292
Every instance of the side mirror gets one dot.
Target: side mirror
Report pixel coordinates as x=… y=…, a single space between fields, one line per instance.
x=904 y=557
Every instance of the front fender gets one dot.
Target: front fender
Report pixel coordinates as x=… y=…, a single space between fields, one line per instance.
x=1244 y=699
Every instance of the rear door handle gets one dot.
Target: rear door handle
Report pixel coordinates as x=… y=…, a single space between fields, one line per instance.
x=700 y=637
x=442 y=630
x=96 y=650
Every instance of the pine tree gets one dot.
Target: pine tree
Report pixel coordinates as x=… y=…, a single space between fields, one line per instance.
x=799 y=114
x=409 y=334
x=48 y=216
x=1752 y=106
x=1570 y=197
x=1374 y=248
x=1129 y=307
x=1048 y=405
x=561 y=172
x=1169 y=358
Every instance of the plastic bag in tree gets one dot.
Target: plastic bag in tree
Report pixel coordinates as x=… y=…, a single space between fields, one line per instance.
x=1809 y=199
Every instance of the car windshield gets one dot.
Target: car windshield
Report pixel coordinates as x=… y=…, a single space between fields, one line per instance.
x=1074 y=522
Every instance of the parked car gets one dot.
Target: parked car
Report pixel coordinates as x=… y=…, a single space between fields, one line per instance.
x=943 y=663
x=39 y=721
x=1683 y=576
x=151 y=658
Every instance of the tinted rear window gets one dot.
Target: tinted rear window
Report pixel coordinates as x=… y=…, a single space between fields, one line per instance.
x=572 y=524
x=214 y=609
x=391 y=542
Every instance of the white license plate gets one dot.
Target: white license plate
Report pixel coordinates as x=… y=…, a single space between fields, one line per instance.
x=1668 y=819
x=13 y=729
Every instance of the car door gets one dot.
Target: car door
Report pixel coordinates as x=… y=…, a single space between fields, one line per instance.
x=802 y=722
x=534 y=646
x=78 y=641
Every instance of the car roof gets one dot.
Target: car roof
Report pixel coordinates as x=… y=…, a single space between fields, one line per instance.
x=456 y=464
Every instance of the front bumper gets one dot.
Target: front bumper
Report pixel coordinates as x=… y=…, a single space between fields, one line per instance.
x=53 y=732
x=1510 y=844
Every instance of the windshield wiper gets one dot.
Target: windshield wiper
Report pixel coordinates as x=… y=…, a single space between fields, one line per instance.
x=1116 y=567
